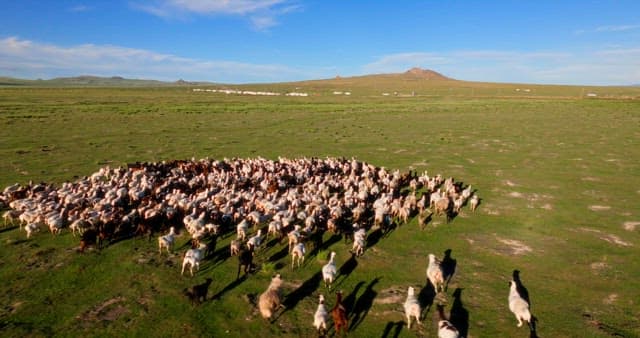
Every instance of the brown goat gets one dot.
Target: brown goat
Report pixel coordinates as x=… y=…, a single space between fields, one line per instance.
x=339 y=315
x=198 y=293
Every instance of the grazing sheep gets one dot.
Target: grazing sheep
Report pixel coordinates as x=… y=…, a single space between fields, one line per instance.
x=270 y=300
x=198 y=293
x=445 y=328
x=412 y=307
x=442 y=206
x=518 y=305
x=435 y=273
x=297 y=254
x=321 y=317
x=10 y=216
x=339 y=315
x=329 y=271
x=167 y=241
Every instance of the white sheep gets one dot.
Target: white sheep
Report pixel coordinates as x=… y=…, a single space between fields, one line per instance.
x=435 y=273
x=297 y=254
x=31 y=228
x=242 y=229
x=329 y=271
x=473 y=203
x=167 y=241
x=270 y=300
x=412 y=307
x=321 y=317
x=518 y=305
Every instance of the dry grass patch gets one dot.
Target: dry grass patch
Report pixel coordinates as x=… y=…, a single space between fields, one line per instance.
x=630 y=226
x=514 y=246
x=599 y=207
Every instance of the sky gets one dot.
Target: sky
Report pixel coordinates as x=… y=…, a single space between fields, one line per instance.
x=248 y=41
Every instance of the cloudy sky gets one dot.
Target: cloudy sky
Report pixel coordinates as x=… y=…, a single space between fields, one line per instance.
x=239 y=41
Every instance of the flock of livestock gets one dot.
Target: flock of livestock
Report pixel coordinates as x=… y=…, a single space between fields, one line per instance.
x=296 y=200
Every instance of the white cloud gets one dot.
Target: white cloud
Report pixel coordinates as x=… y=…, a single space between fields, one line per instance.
x=598 y=67
x=28 y=59
x=618 y=28
x=262 y=13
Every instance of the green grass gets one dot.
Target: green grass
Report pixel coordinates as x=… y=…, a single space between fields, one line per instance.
x=540 y=164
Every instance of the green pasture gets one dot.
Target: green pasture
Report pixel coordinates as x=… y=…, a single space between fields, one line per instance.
x=558 y=174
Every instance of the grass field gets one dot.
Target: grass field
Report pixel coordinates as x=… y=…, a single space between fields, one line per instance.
x=559 y=178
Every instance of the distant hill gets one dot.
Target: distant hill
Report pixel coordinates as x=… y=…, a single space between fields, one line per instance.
x=426 y=74
x=94 y=81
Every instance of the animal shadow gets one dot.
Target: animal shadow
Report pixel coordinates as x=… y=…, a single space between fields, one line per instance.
x=426 y=296
x=347 y=268
x=305 y=290
x=363 y=304
x=459 y=316
x=392 y=329
x=448 y=265
x=229 y=287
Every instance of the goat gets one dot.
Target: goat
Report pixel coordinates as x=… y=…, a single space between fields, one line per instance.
x=245 y=259
x=167 y=241
x=339 y=315
x=234 y=247
x=412 y=307
x=192 y=258
x=445 y=328
x=435 y=273
x=198 y=293
x=297 y=254
x=321 y=317
x=270 y=300
x=473 y=203
x=518 y=305
x=329 y=271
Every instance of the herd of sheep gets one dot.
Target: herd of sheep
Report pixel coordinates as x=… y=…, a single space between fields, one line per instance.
x=293 y=199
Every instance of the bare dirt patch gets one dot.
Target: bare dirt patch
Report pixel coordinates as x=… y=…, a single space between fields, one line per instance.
x=599 y=207
x=515 y=247
x=630 y=226
x=611 y=238
x=610 y=299
x=591 y=179
x=516 y=194
x=547 y=206
x=509 y=183
x=392 y=295
x=106 y=312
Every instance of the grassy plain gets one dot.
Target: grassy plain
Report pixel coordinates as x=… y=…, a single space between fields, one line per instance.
x=559 y=177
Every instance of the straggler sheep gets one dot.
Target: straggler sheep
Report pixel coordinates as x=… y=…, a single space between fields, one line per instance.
x=329 y=271
x=198 y=293
x=192 y=258
x=245 y=259
x=412 y=307
x=435 y=273
x=321 y=317
x=339 y=315
x=473 y=203
x=518 y=305
x=445 y=328
x=270 y=300
x=167 y=240
x=297 y=254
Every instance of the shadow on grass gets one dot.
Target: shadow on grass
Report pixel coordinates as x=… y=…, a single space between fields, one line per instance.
x=363 y=304
x=426 y=297
x=346 y=269
x=305 y=290
x=8 y=228
x=448 y=265
x=229 y=287
x=459 y=316
x=393 y=329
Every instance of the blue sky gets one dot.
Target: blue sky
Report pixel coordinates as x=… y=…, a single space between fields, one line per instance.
x=240 y=41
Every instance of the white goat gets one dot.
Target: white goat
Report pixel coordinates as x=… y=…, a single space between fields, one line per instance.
x=255 y=240
x=321 y=317
x=329 y=271
x=412 y=307
x=518 y=305
x=435 y=273
x=192 y=258
x=167 y=241
x=297 y=254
